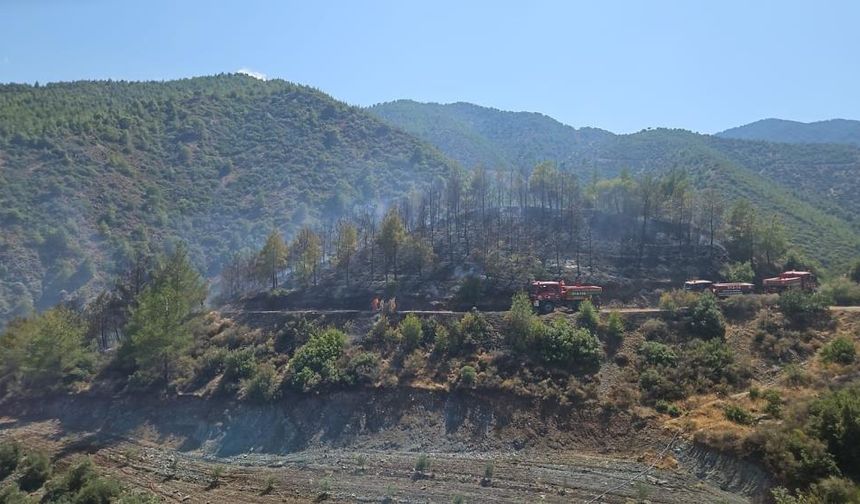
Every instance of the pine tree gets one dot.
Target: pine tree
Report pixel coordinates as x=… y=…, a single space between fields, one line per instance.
x=391 y=236
x=272 y=258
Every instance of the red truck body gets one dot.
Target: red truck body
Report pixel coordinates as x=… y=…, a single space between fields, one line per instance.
x=546 y=296
x=791 y=280
x=726 y=289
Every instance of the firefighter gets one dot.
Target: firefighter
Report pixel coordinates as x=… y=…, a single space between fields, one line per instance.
x=392 y=305
x=375 y=304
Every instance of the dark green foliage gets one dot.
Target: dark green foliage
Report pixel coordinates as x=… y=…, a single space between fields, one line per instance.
x=35 y=471
x=521 y=323
x=795 y=457
x=315 y=363
x=10 y=455
x=655 y=329
x=774 y=403
x=663 y=406
x=411 y=330
x=657 y=354
x=835 y=419
x=262 y=385
x=239 y=364
x=10 y=494
x=842 y=291
x=474 y=330
x=218 y=161
x=854 y=272
x=737 y=414
x=561 y=344
x=468 y=375
x=706 y=320
x=469 y=292
x=363 y=368
x=709 y=363
x=588 y=318
x=614 y=330
x=423 y=463
x=738 y=272
x=98 y=491
x=841 y=351
x=657 y=385
x=802 y=307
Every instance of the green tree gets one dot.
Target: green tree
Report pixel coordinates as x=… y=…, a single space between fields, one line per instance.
x=391 y=236
x=741 y=231
x=614 y=330
x=410 y=329
x=45 y=351
x=835 y=419
x=315 y=362
x=272 y=258
x=738 y=272
x=347 y=243
x=161 y=323
x=706 y=319
x=306 y=252
x=773 y=240
x=521 y=322
x=854 y=273
x=588 y=317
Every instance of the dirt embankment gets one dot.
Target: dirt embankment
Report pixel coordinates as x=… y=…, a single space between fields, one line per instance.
x=362 y=446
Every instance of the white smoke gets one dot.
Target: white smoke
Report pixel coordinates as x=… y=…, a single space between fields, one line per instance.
x=252 y=73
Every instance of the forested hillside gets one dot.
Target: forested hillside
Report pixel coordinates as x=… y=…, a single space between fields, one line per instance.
x=838 y=131
x=809 y=187
x=90 y=172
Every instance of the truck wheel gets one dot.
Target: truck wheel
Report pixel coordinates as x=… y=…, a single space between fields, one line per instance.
x=548 y=307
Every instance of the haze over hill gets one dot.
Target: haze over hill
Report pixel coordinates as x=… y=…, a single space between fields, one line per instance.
x=818 y=209
x=837 y=131
x=92 y=171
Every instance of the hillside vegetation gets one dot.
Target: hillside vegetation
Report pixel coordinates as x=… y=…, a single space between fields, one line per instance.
x=92 y=172
x=837 y=131
x=810 y=186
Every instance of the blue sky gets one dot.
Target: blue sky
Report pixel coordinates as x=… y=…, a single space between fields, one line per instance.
x=622 y=66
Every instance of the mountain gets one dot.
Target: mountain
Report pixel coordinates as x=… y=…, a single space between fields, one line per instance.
x=836 y=131
x=474 y=135
x=812 y=187
x=91 y=171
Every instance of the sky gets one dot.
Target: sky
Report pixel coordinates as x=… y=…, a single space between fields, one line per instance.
x=621 y=66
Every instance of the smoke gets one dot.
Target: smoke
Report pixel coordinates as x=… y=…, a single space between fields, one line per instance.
x=253 y=73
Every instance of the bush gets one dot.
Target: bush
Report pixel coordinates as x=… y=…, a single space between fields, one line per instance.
x=663 y=406
x=239 y=364
x=738 y=272
x=315 y=362
x=262 y=386
x=737 y=414
x=614 y=330
x=469 y=291
x=744 y=307
x=363 y=368
x=708 y=363
x=441 y=339
x=10 y=494
x=520 y=322
x=706 y=318
x=655 y=329
x=676 y=300
x=468 y=375
x=835 y=419
x=774 y=403
x=657 y=385
x=658 y=354
x=568 y=346
x=98 y=491
x=588 y=318
x=71 y=482
x=842 y=291
x=35 y=471
x=801 y=307
x=794 y=457
x=854 y=272
x=10 y=455
x=410 y=330
x=423 y=463
x=474 y=330
x=841 y=351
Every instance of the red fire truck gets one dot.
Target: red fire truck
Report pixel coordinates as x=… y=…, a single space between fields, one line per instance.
x=546 y=296
x=726 y=289
x=790 y=280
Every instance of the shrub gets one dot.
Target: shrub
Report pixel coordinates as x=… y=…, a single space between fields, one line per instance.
x=755 y=393
x=794 y=457
x=738 y=272
x=10 y=455
x=72 y=481
x=835 y=419
x=474 y=329
x=410 y=330
x=737 y=414
x=706 y=318
x=568 y=346
x=10 y=494
x=657 y=386
x=663 y=406
x=441 y=339
x=520 y=322
x=614 y=330
x=98 y=491
x=315 y=362
x=35 y=471
x=801 y=307
x=774 y=403
x=423 y=463
x=469 y=291
x=676 y=300
x=363 y=367
x=743 y=307
x=854 y=272
x=708 y=363
x=588 y=318
x=239 y=364
x=262 y=386
x=655 y=329
x=657 y=354
x=468 y=375
x=488 y=471
x=841 y=351
x=842 y=291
